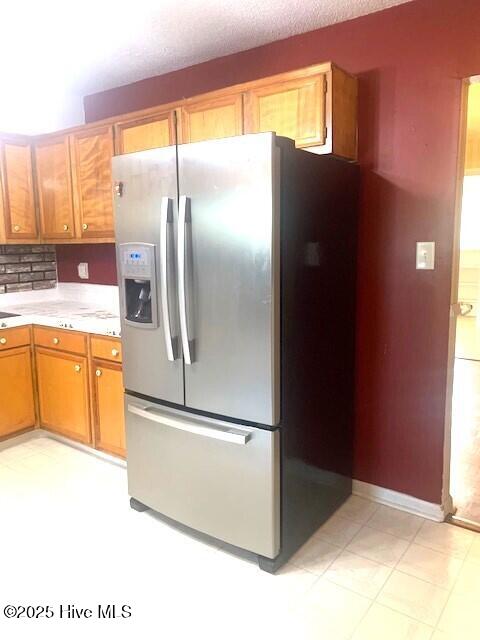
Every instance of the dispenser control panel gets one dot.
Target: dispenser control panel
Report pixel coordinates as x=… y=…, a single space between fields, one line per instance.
x=137 y=260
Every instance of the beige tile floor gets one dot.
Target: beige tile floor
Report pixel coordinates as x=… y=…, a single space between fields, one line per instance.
x=465 y=453
x=68 y=536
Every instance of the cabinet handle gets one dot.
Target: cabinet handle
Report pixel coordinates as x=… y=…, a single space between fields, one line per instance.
x=84 y=226
x=115 y=352
x=65 y=227
x=78 y=368
x=16 y=227
x=98 y=373
x=56 y=340
x=3 y=341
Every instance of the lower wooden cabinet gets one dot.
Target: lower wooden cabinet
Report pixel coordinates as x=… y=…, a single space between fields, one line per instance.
x=79 y=385
x=109 y=422
x=17 y=409
x=63 y=394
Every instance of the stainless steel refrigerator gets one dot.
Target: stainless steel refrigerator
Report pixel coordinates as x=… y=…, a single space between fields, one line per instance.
x=233 y=257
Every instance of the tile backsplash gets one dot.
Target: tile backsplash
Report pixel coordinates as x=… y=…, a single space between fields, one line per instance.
x=26 y=267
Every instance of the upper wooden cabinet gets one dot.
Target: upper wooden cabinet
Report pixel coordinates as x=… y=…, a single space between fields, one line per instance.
x=316 y=107
x=149 y=132
x=19 y=214
x=295 y=109
x=211 y=117
x=92 y=151
x=54 y=187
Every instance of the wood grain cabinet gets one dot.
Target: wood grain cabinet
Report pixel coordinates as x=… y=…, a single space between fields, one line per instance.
x=294 y=109
x=140 y=134
x=18 y=200
x=63 y=393
x=211 y=117
x=18 y=412
x=109 y=422
x=92 y=151
x=316 y=107
x=107 y=395
x=54 y=187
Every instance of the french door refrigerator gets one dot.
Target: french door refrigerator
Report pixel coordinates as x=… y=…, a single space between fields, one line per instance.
x=236 y=264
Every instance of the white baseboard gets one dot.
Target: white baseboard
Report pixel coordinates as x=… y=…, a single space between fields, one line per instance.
x=401 y=501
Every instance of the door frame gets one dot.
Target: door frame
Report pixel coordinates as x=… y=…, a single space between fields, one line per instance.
x=447 y=500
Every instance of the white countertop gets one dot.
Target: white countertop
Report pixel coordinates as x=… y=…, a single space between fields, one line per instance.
x=91 y=308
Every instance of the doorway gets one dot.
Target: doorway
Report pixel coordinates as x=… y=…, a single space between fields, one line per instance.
x=464 y=463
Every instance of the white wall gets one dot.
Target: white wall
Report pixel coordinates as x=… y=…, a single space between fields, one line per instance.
x=31 y=111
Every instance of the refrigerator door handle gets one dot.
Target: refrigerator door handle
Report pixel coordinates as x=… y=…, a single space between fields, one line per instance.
x=184 y=218
x=237 y=436
x=166 y=226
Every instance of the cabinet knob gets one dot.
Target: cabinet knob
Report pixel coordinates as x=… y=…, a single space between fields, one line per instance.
x=98 y=373
x=84 y=226
x=56 y=340
x=77 y=368
x=16 y=227
x=115 y=352
x=65 y=227
x=3 y=341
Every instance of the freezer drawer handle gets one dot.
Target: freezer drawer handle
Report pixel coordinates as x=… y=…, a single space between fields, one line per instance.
x=184 y=218
x=228 y=435
x=166 y=225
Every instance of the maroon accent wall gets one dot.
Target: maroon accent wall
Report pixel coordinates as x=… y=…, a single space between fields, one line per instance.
x=101 y=262
x=409 y=60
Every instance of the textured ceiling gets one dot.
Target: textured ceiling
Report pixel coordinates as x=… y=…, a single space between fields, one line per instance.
x=56 y=51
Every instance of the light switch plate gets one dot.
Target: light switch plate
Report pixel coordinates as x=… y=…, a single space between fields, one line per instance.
x=425 y=255
x=83 y=270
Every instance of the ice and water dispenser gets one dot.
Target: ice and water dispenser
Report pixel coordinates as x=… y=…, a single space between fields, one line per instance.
x=137 y=266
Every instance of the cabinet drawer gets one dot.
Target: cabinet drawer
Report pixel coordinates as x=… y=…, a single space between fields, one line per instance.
x=10 y=338
x=213 y=476
x=106 y=348
x=61 y=340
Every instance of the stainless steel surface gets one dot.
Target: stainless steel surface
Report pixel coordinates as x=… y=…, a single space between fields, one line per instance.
x=147 y=177
x=192 y=425
x=224 y=489
x=166 y=232
x=183 y=220
x=231 y=298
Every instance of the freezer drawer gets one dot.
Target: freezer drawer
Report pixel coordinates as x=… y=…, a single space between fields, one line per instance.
x=219 y=478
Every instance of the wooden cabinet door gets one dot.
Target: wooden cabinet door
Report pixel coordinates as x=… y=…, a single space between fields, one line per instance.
x=294 y=108
x=92 y=151
x=212 y=118
x=18 y=196
x=54 y=187
x=145 y=133
x=108 y=407
x=17 y=409
x=63 y=393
